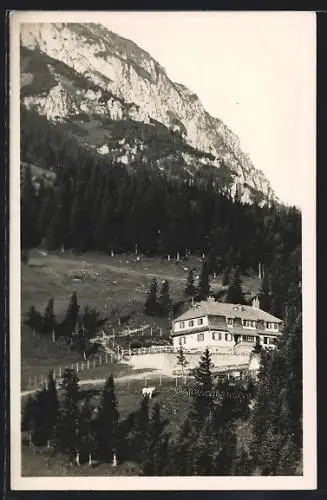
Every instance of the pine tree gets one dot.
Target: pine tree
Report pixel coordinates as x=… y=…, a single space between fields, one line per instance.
x=27 y=423
x=79 y=214
x=182 y=449
x=39 y=430
x=51 y=413
x=67 y=439
x=49 y=321
x=190 y=287
x=155 y=452
x=140 y=433
x=181 y=360
x=107 y=421
x=265 y=297
x=151 y=304
x=28 y=210
x=34 y=320
x=86 y=431
x=203 y=389
x=206 y=449
x=40 y=414
x=277 y=415
x=203 y=289
x=226 y=276
x=71 y=317
x=226 y=444
x=234 y=293
x=164 y=300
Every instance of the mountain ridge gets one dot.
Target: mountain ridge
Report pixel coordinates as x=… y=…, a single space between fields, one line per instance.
x=125 y=82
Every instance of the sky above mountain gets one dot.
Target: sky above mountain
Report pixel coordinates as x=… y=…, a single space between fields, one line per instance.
x=255 y=71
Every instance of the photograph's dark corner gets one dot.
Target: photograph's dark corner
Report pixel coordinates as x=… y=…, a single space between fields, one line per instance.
x=161 y=245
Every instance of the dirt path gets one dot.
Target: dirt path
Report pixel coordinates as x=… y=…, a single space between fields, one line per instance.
x=99 y=381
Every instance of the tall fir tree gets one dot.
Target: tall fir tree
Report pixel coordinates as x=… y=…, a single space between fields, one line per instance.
x=202 y=402
x=49 y=319
x=165 y=305
x=235 y=293
x=86 y=443
x=156 y=445
x=139 y=435
x=205 y=449
x=203 y=288
x=264 y=294
x=70 y=321
x=51 y=411
x=27 y=424
x=67 y=431
x=34 y=320
x=181 y=449
x=277 y=414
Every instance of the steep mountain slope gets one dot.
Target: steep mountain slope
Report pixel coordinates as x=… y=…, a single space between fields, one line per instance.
x=119 y=100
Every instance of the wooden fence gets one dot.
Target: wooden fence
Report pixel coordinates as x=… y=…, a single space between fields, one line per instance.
x=37 y=381
x=110 y=356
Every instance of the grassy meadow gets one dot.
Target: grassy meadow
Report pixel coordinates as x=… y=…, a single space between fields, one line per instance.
x=116 y=286
x=174 y=402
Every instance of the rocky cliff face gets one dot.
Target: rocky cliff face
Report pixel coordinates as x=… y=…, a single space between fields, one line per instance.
x=72 y=70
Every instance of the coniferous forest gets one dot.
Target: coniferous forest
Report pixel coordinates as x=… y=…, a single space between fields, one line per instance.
x=92 y=203
x=204 y=443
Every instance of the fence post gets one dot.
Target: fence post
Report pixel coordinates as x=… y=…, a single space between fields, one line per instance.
x=93 y=362
x=88 y=364
x=30 y=382
x=60 y=372
x=106 y=358
x=41 y=379
x=176 y=381
x=82 y=367
x=160 y=381
x=100 y=360
x=54 y=374
x=111 y=358
x=77 y=367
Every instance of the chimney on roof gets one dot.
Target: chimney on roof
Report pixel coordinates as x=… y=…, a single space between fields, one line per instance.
x=256 y=303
